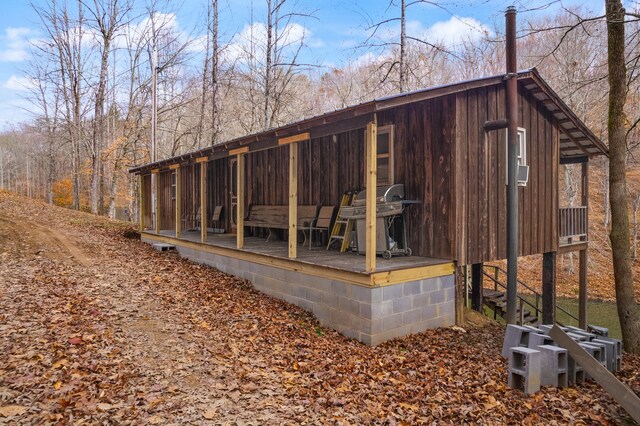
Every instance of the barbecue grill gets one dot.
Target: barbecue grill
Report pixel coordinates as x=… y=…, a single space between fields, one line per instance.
x=391 y=235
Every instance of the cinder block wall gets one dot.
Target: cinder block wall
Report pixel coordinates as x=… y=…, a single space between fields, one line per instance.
x=370 y=315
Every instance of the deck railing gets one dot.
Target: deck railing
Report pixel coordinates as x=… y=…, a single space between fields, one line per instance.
x=573 y=222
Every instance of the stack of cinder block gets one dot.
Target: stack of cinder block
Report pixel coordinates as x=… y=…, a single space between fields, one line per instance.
x=535 y=360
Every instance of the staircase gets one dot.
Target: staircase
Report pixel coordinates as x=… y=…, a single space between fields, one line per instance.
x=497 y=302
x=496 y=299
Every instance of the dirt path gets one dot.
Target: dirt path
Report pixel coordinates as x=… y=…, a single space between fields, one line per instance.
x=100 y=329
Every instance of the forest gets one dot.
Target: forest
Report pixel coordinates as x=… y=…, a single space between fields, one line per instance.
x=90 y=86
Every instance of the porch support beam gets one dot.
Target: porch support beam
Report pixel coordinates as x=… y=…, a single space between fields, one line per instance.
x=371 y=182
x=583 y=257
x=476 y=287
x=549 y=287
x=293 y=200
x=178 y=218
x=203 y=201
x=141 y=201
x=240 y=201
x=155 y=202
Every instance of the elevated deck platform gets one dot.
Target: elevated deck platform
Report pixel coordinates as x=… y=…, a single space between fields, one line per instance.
x=348 y=266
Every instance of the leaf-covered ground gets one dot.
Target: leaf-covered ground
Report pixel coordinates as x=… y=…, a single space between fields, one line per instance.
x=97 y=328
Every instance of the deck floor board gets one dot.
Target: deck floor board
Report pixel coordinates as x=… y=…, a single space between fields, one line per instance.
x=315 y=256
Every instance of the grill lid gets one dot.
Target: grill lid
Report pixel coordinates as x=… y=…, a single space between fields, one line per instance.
x=384 y=194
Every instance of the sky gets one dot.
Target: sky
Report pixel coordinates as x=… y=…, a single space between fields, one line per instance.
x=333 y=32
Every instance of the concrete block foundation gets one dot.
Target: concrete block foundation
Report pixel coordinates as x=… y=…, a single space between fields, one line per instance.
x=371 y=315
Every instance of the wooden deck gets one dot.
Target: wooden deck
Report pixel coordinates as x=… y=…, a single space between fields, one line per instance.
x=351 y=262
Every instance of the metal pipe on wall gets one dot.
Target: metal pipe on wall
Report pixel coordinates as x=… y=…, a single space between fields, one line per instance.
x=512 y=155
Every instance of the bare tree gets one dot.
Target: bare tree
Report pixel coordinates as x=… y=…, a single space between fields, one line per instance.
x=619 y=235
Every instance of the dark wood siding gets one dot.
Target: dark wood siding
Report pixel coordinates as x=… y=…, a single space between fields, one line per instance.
x=190 y=187
x=166 y=202
x=147 y=219
x=480 y=163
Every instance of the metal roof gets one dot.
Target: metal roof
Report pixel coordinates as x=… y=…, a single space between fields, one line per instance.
x=575 y=137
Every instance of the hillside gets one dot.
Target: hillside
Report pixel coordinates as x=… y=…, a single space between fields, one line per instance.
x=97 y=327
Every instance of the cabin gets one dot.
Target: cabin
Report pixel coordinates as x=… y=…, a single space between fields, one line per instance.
x=371 y=216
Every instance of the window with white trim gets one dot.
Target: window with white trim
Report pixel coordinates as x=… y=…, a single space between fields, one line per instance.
x=384 y=155
x=521 y=152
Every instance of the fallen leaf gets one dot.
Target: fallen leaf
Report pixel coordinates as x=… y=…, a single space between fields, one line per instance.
x=104 y=407
x=210 y=414
x=12 y=410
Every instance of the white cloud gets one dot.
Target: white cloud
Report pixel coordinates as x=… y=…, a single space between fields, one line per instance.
x=18 y=83
x=254 y=36
x=14 y=44
x=453 y=32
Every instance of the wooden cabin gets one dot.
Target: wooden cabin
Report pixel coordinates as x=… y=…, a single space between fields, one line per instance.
x=433 y=142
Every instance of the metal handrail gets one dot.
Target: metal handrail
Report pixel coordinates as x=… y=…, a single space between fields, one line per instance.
x=535 y=293
x=520 y=298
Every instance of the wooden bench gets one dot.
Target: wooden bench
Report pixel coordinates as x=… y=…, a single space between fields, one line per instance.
x=277 y=217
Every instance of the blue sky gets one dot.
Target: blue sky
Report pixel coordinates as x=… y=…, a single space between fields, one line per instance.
x=333 y=32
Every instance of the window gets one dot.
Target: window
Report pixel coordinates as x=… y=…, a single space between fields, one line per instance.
x=521 y=153
x=173 y=185
x=385 y=155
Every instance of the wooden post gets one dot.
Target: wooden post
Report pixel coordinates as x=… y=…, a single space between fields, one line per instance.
x=157 y=200
x=476 y=286
x=293 y=200
x=461 y=275
x=549 y=287
x=240 y=202
x=203 y=201
x=178 y=218
x=141 y=201
x=371 y=182
x=583 y=257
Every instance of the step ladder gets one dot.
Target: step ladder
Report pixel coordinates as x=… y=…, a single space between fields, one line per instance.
x=342 y=227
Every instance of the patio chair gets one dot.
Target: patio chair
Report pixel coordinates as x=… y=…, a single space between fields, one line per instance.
x=322 y=222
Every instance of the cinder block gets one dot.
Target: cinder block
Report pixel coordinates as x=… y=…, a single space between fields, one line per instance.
x=365 y=310
x=595 y=351
x=515 y=335
x=382 y=309
x=411 y=288
x=554 y=366
x=420 y=300
x=600 y=331
x=578 y=337
x=524 y=369
x=349 y=305
x=589 y=336
x=314 y=295
x=575 y=372
x=430 y=312
x=341 y=288
x=537 y=339
x=618 y=351
x=411 y=317
x=429 y=285
x=402 y=304
x=392 y=292
x=609 y=353
x=436 y=297
x=391 y=322
x=360 y=293
x=330 y=299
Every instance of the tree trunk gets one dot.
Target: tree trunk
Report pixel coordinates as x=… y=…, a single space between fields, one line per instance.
x=214 y=75
x=403 y=46
x=619 y=235
x=267 y=65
